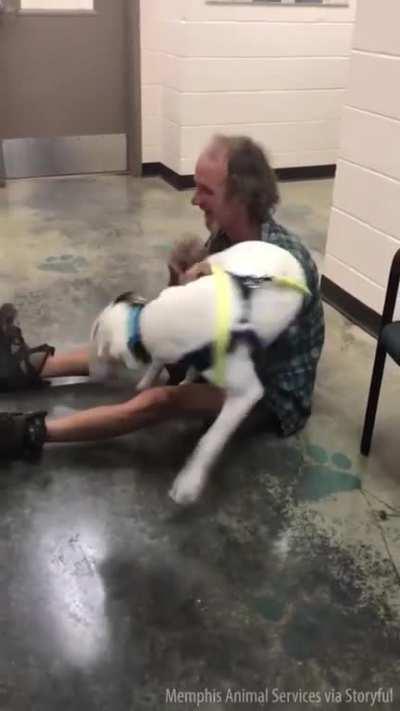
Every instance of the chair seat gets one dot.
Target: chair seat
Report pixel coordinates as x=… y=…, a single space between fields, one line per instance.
x=390 y=338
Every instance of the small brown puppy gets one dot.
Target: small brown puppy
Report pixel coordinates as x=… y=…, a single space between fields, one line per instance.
x=186 y=262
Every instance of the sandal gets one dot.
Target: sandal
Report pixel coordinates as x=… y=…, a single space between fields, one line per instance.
x=22 y=435
x=20 y=366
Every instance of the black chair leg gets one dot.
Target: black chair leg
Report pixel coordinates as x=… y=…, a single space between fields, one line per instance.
x=373 y=398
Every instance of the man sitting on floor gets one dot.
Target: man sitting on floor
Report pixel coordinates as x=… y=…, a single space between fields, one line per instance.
x=236 y=190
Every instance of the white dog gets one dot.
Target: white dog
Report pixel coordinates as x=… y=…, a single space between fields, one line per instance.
x=263 y=294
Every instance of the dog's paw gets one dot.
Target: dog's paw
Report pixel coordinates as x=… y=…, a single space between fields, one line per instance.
x=188 y=487
x=150 y=377
x=143 y=384
x=191 y=376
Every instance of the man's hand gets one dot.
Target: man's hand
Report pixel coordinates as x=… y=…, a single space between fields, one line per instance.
x=197 y=271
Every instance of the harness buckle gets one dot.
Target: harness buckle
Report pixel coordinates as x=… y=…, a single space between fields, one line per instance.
x=254 y=282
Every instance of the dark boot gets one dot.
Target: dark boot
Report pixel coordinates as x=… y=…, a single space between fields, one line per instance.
x=20 y=365
x=22 y=435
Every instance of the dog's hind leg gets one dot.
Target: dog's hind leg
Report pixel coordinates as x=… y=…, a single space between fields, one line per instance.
x=243 y=390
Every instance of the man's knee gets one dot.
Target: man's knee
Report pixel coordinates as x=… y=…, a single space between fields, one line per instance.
x=174 y=400
x=165 y=397
x=158 y=401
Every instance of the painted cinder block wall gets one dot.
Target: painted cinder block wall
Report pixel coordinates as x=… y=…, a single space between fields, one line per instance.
x=364 y=231
x=278 y=74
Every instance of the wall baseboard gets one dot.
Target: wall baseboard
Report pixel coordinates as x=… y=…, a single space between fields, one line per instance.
x=308 y=172
x=151 y=169
x=362 y=315
x=179 y=182
x=185 y=182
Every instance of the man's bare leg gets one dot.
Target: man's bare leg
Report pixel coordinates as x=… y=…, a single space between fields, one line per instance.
x=72 y=363
x=149 y=407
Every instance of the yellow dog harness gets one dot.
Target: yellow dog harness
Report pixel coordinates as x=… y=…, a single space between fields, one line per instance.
x=224 y=312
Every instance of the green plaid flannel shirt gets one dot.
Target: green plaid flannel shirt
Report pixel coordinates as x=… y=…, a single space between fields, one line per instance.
x=288 y=367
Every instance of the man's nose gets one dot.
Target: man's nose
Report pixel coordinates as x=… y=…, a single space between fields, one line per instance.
x=195 y=199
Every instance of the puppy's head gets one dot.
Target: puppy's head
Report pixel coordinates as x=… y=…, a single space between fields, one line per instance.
x=185 y=254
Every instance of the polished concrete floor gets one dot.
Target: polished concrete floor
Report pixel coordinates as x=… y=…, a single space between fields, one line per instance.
x=286 y=576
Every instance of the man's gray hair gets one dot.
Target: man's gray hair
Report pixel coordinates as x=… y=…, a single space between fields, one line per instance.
x=250 y=176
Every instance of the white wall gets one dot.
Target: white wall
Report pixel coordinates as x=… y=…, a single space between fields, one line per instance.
x=365 y=220
x=275 y=73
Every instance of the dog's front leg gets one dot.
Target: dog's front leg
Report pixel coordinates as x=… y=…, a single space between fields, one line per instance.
x=150 y=376
x=191 y=481
x=190 y=376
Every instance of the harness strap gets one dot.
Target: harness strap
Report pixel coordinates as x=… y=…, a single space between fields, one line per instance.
x=223 y=323
x=292 y=284
x=224 y=313
x=247 y=283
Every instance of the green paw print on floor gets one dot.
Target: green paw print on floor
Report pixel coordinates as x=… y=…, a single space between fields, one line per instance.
x=65 y=263
x=324 y=474
x=270 y=607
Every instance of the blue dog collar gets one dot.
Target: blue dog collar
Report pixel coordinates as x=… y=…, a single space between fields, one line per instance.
x=135 y=343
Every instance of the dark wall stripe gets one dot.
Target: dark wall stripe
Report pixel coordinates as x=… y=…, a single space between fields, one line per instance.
x=349 y=306
x=184 y=182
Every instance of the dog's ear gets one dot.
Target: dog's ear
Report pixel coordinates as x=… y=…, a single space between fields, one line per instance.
x=129 y=297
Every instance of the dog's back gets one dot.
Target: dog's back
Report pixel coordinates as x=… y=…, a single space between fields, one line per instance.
x=182 y=319
x=272 y=307
x=257 y=258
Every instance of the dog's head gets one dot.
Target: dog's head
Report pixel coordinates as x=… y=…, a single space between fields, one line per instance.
x=115 y=337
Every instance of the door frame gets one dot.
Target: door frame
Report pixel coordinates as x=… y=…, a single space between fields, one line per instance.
x=2 y=167
x=134 y=88
x=132 y=78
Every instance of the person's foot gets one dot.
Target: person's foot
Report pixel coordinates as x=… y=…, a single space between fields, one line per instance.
x=20 y=365
x=22 y=435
